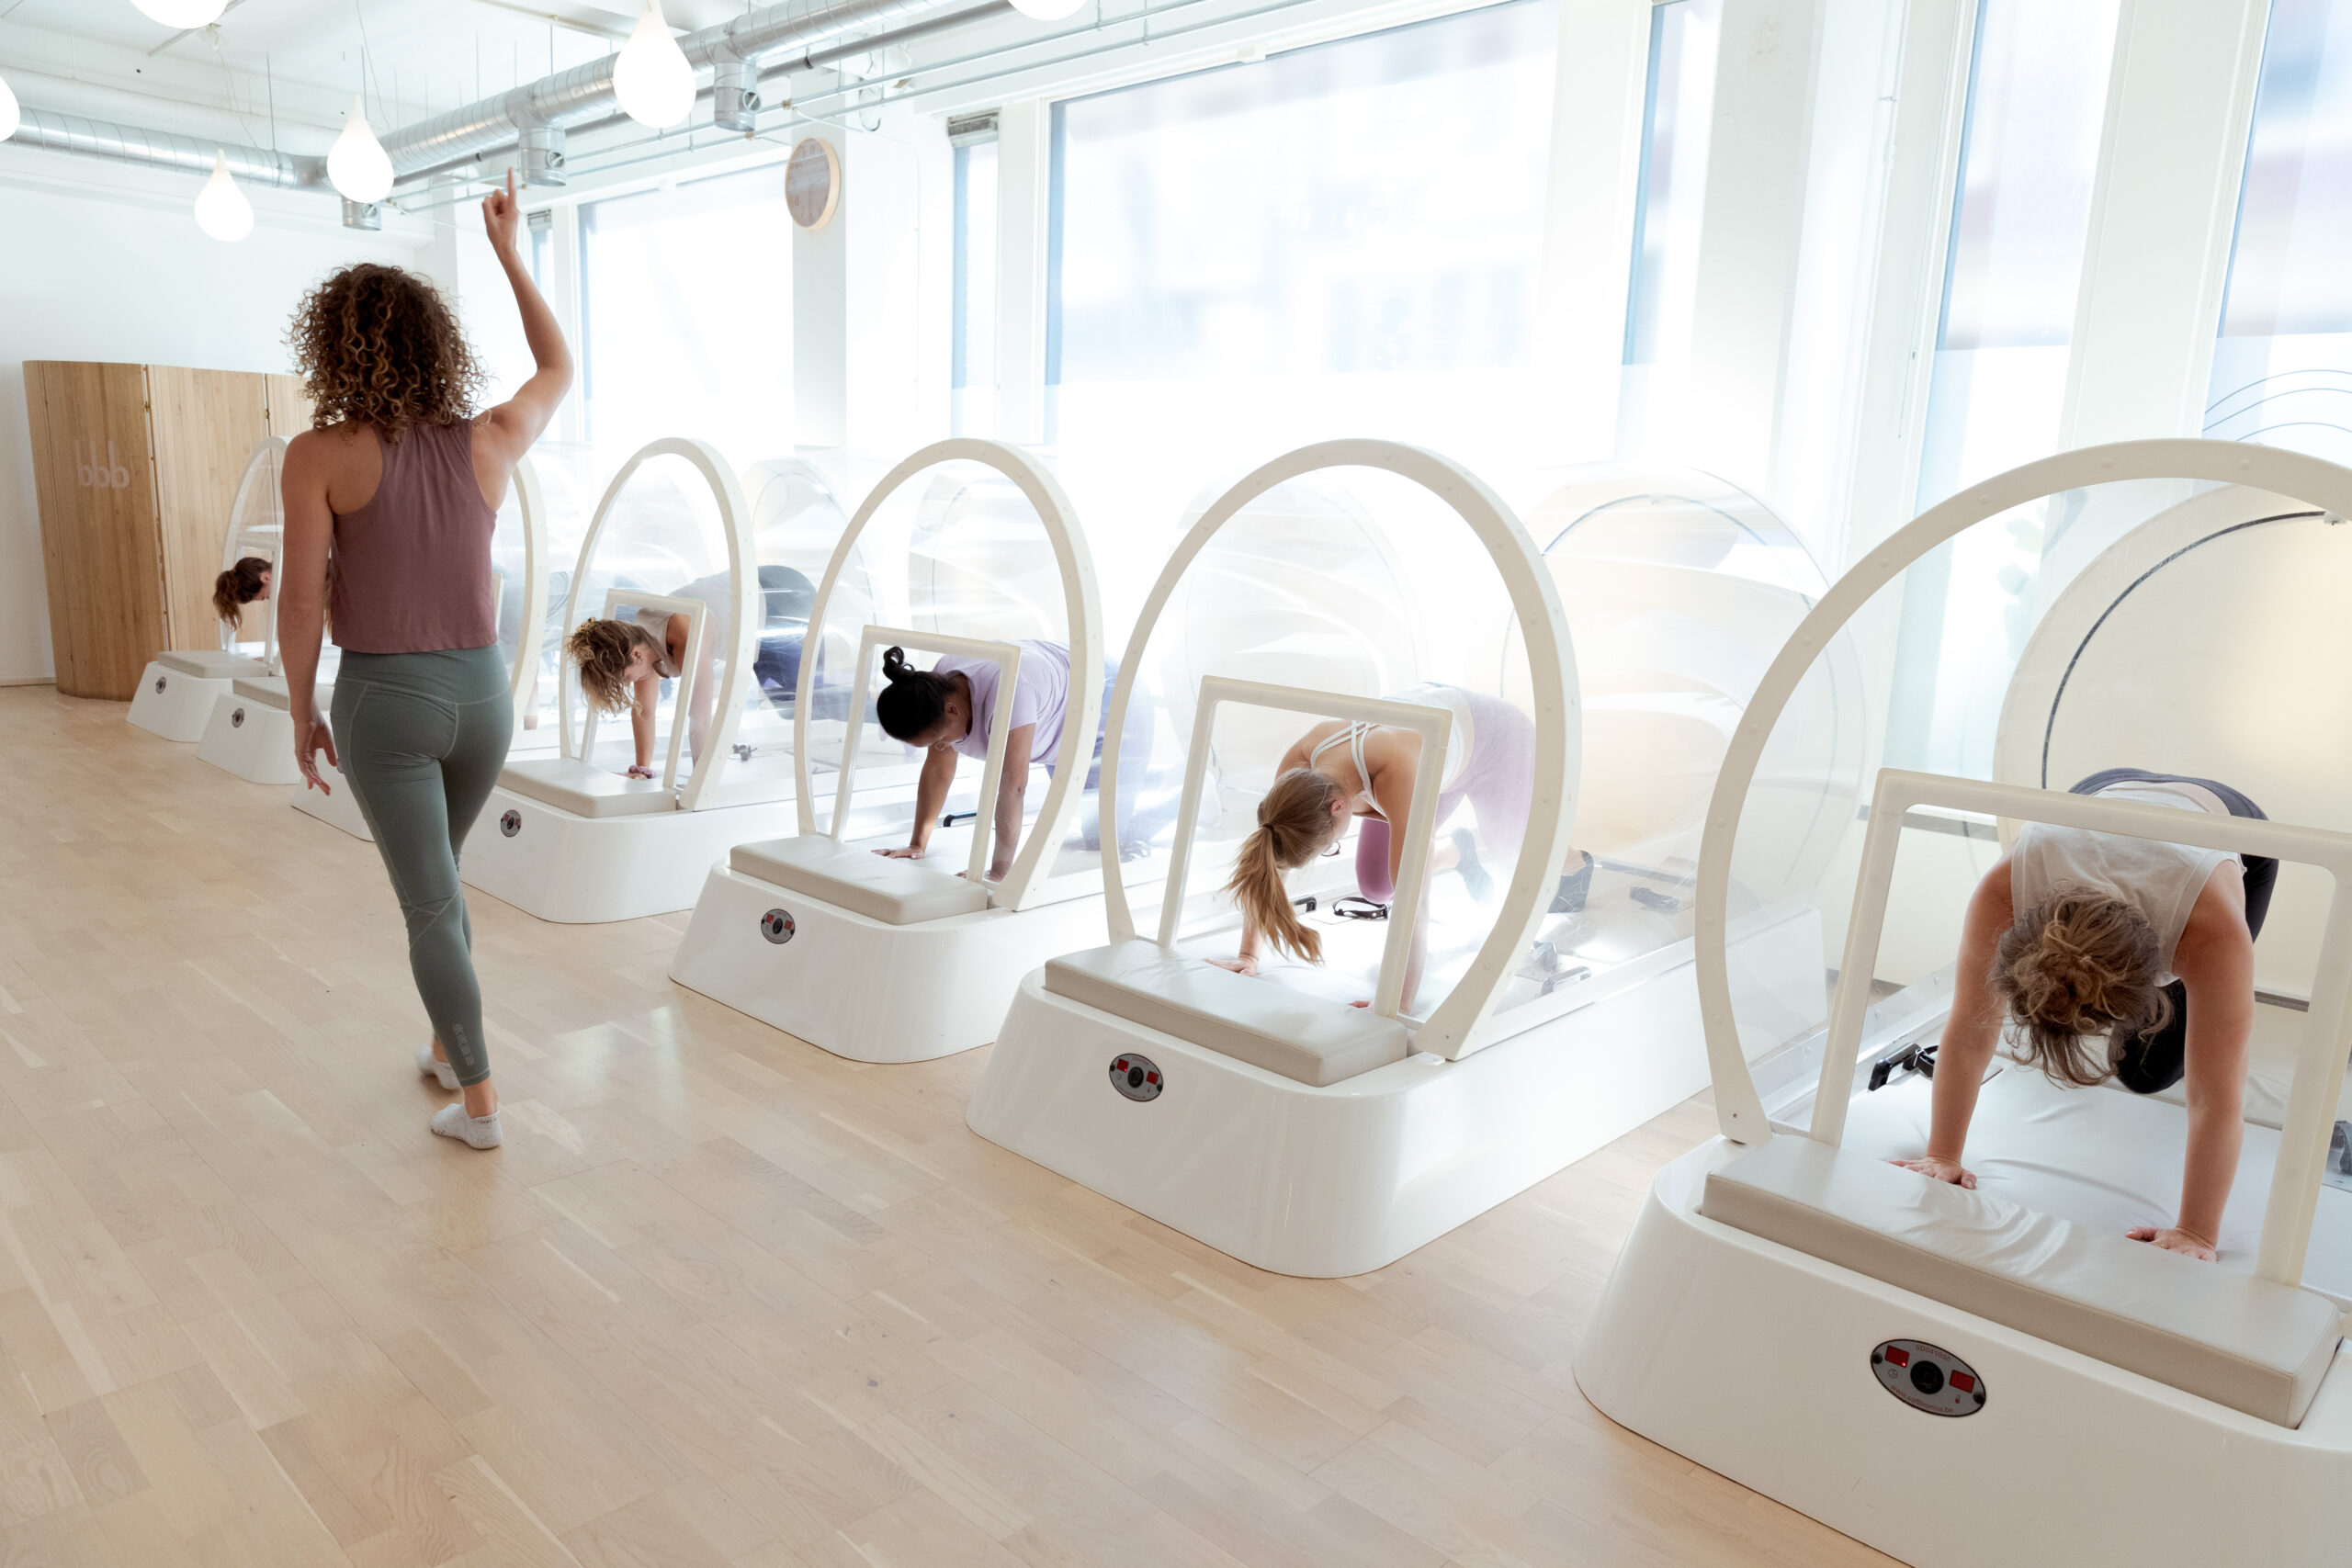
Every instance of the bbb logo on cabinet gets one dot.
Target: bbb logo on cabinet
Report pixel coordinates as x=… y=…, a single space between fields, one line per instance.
x=94 y=474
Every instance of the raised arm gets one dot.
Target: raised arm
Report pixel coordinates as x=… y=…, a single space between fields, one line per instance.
x=300 y=586
x=1971 y=1031
x=2215 y=960
x=508 y=429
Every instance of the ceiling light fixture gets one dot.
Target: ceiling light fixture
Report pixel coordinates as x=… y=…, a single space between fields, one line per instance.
x=182 y=13
x=221 y=209
x=10 y=115
x=651 y=78
x=357 y=163
x=1047 y=10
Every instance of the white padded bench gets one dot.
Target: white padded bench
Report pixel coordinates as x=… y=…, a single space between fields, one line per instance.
x=211 y=664
x=895 y=892
x=1307 y=1038
x=586 y=791
x=2250 y=1344
x=269 y=691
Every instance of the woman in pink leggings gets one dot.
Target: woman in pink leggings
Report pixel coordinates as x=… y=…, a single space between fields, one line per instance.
x=1337 y=769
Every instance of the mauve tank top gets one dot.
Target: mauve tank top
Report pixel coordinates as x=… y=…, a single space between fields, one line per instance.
x=412 y=567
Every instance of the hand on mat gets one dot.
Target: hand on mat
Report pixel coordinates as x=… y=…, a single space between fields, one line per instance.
x=904 y=851
x=306 y=747
x=1939 y=1170
x=1239 y=965
x=2173 y=1239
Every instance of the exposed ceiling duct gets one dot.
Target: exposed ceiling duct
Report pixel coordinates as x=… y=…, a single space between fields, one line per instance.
x=167 y=149
x=534 y=116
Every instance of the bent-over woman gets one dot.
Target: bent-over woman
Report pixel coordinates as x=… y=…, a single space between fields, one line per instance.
x=2116 y=957
x=247 y=583
x=1339 y=770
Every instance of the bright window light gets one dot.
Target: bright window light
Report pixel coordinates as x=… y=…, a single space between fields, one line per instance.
x=1343 y=240
x=2282 y=369
x=2037 y=104
x=686 y=315
x=1678 y=118
x=973 y=379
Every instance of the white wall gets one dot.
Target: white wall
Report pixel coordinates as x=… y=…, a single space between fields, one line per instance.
x=105 y=263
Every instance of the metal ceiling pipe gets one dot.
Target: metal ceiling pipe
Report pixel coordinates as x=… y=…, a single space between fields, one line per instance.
x=585 y=92
x=165 y=149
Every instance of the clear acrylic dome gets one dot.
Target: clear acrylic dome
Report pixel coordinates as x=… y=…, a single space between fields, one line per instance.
x=1680 y=588
x=797 y=519
x=2177 y=626
x=664 y=531
x=571 y=479
x=979 y=562
x=1357 y=581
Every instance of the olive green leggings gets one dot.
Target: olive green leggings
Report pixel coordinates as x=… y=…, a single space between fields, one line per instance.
x=422 y=737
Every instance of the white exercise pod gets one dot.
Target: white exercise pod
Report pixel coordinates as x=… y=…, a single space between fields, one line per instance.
x=570 y=838
x=518 y=577
x=179 y=687
x=1539 y=1034
x=892 y=960
x=1795 y=1313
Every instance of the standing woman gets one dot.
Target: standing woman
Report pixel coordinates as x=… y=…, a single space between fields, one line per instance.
x=404 y=479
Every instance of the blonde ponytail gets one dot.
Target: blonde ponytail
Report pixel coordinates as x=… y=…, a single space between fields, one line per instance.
x=1295 y=823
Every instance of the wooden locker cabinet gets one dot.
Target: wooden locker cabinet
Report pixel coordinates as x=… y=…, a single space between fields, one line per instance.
x=135 y=466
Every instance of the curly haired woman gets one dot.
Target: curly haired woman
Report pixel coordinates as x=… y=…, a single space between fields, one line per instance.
x=2118 y=957
x=404 y=479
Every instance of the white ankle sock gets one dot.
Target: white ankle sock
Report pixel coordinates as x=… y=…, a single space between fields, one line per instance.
x=433 y=1066
x=477 y=1132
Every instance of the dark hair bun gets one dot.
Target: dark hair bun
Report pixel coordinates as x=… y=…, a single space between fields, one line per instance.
x=894 y=664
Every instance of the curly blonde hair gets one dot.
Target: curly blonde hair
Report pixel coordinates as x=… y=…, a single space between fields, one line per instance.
x=378 y=346
x=1295 y=823
x=2084 y=965
x=601 y=648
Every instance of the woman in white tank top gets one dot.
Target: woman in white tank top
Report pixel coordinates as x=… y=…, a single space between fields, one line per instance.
x=2118 y=957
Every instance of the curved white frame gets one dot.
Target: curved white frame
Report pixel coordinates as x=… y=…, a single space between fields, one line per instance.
x=535 y=585
x=1739 y=1109
x=734 y=518
x=1082 y=618
x=273 y=540
x=1451 y=1029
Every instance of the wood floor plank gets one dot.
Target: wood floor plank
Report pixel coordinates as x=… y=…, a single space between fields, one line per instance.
x=722 y=1299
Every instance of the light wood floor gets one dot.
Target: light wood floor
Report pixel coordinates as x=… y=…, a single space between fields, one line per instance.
x=722 y=1297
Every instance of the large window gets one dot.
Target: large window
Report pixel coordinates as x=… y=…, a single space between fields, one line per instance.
x=2037 y=102
x=685 y=310
x=1677 y=115
x=1344 y=240
x=973 y=409
x=2282 y=369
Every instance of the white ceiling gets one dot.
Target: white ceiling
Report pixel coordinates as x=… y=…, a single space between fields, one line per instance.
x=423 y=56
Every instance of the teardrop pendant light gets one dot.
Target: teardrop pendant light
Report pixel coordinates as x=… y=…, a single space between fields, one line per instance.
x=182 y=13
x=356 y=164
x=10 y=115
x=1047 y=10
x=652 y=79
x=221 y=209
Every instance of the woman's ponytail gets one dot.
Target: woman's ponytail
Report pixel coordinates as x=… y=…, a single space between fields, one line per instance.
x=1295 y=823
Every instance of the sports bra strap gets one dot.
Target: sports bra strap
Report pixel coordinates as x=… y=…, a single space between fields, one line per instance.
x=1353 y=736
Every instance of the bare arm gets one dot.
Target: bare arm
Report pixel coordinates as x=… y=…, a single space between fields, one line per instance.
x=1010 y=791
x=301 y=587
x=510 y=428
x=640 y=718
x=2215 y=959
x=930 y=795
x=1970 y=1032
